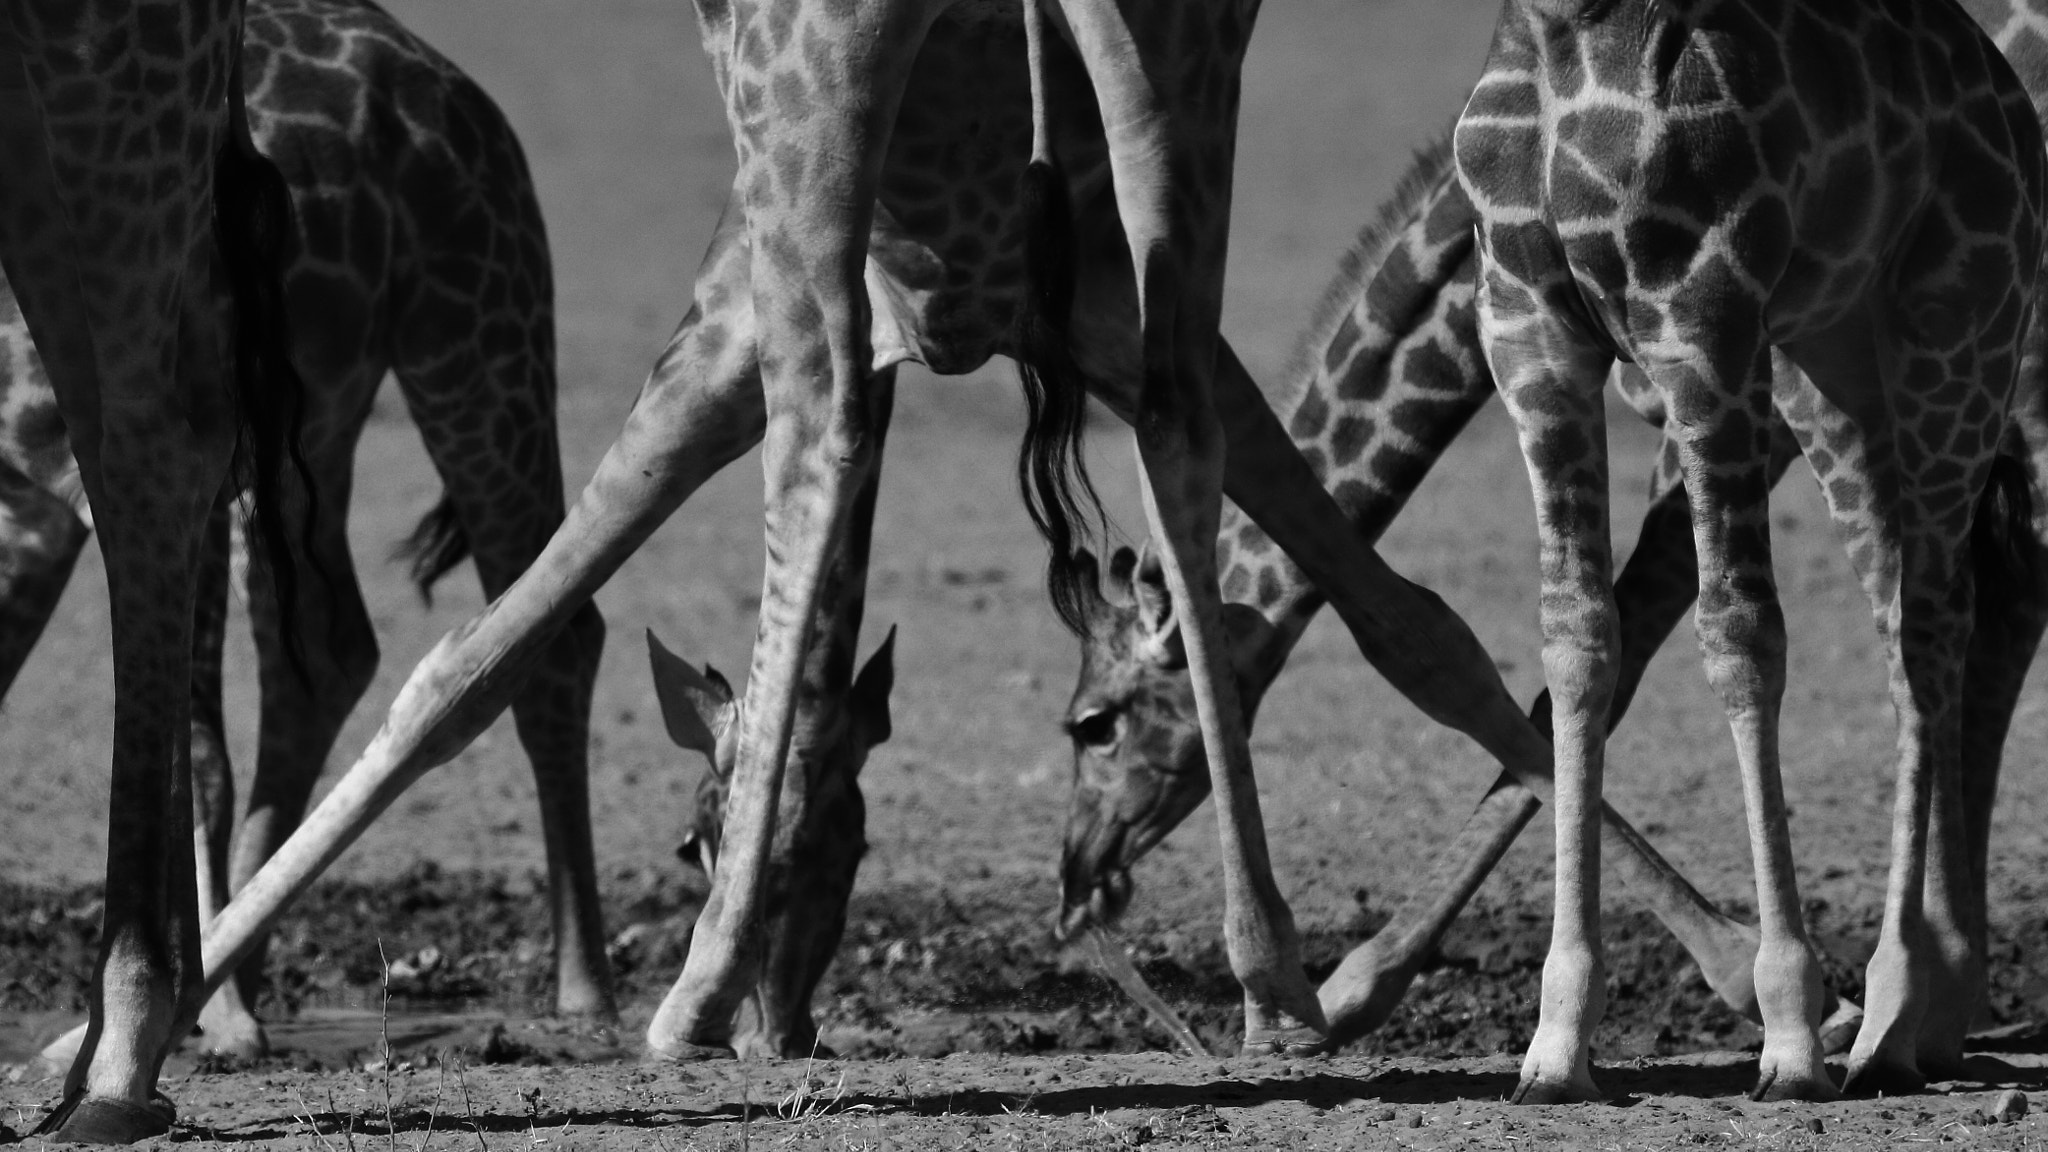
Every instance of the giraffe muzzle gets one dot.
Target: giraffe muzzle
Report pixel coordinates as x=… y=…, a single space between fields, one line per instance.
x=1098 y=901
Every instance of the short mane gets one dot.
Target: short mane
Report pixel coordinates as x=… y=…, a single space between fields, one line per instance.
x=1360 y=264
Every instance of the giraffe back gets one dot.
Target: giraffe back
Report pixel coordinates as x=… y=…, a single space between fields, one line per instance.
x=1812 y=154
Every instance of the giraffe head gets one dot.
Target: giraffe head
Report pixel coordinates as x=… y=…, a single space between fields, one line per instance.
x=819 y=838
x=1139 y=767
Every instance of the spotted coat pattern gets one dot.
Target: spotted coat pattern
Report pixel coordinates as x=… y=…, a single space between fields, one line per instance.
x=112 y=113
x=1688 y=186
x=420 y=251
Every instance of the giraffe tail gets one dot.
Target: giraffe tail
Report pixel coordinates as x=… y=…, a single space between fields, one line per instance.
x=253 y=230
x=437 y=545
x=2003 y=548
x=1052 y=472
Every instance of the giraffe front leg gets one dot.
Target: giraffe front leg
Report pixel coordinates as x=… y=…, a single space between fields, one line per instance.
x=1550 y=378
x=1183 y=504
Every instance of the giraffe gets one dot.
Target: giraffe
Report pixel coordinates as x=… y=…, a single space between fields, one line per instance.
x=942 y=276
x=1683 y=185
x=132 y=191
x=1386 y=375
x=378 y=136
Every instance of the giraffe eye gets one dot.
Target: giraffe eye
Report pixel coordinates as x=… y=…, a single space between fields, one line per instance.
x=1096 y=729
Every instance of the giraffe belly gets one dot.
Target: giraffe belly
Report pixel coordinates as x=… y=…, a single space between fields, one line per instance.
x=949 y=315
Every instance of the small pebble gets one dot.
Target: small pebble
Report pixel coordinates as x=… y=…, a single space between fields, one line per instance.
x=1814 y=1125
x=2009 y=1106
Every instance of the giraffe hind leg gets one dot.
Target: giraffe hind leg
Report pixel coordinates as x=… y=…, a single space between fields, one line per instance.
x=506 y=500
x=155 y=487
x=1838 y=411
x=1724 y=452
x=1163 y=157
x=701 y=409
x=2003 y=643
x=227 y=1022
x=808 y=233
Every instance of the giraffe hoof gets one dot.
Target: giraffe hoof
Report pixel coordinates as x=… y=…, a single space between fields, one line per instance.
x=1883 y=1076
x=1772 y=1086
x=1285 y=1042
x=685 y=1052
x=1534 y=1091
x=102 y=1120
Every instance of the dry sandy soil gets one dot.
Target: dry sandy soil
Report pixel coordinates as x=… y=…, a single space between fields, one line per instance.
x=959 y=1023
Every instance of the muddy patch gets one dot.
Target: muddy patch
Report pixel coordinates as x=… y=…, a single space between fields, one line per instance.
x=915 y=976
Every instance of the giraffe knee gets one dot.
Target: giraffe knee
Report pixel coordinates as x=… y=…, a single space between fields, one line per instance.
x=1742 y=645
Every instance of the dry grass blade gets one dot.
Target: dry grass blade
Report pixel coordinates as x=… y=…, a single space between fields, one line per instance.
x=306 y=1118
x=1115 y=963
x=384 y=1041
x=469 y=1109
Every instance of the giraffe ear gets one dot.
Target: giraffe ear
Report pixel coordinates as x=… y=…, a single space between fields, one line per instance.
x=694 y=705
x=869 y=699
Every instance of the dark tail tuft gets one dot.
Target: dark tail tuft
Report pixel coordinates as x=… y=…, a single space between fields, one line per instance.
x=2002 y=544
x=1051 y=470
x=437 y=545
x=253 y=229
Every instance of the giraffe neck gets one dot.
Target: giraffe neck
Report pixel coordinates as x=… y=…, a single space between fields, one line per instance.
x=1388 y=372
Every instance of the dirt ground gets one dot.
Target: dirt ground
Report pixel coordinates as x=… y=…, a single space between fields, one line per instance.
x=958 y=1023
